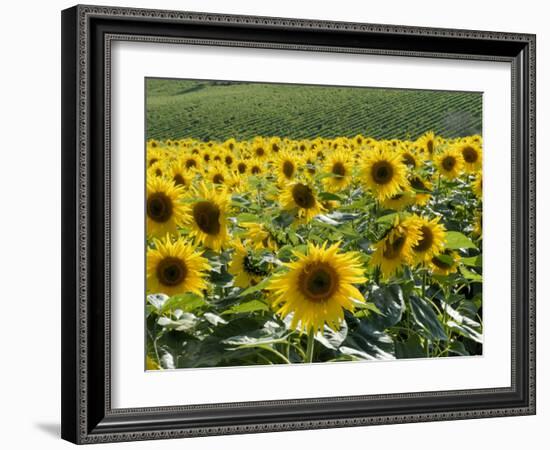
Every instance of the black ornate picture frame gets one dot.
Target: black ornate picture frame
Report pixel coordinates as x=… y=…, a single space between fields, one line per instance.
x=87 y=35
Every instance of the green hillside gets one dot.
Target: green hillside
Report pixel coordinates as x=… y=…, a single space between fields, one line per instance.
x=214 y=110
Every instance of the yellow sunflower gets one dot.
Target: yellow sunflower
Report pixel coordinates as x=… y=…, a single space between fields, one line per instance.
x=191 y=162
x=384 y=173
x=399 y=201
x=445 y=263
x=180 y=175
x=217 y=174
x=427 y=144
x=301 y=198
x=318 y=287
x=422 y=188
x=207 y=217
x=155 y=155
x=450 y=163
x=339 y=165
x=175 y=268
x=165 y=210
x=432 y=238
x=246 y=269
x=287 y=166
x=241 y=166
x=396 y=248
x=471 y=155
x=477 y=186
x=259 y=236
x=256 y=167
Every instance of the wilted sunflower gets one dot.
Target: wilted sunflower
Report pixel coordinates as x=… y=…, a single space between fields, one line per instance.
x=450 y=163
x=471 y=155
x=432 y=238
x=302 y=198
x=445 y=263
x=246 y=267
x=175 y=268
x=477 y=186
x=259 y=236
x=339 y=166
x=164 y=207
x=318 y=287
x=384 y=173
x=207 y=217
x=287 y=166
x=396 y=248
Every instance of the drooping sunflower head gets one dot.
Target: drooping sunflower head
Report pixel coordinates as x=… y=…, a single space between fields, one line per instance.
x=432 y=238
x=445 y=263
x=422 y=189
x=399 y=201
x=395 y=249
x=259 y=236
x=175 y=268
x=302 y=198
x=477 y=185
x=247 y=267
x=164 y=207
x=339 y=166
x=207 y=217
x=449 y=162
x=287 y=166
x=384 y=173
x=318 y=287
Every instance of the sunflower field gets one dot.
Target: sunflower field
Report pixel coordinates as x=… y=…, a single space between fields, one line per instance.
x=272 y=250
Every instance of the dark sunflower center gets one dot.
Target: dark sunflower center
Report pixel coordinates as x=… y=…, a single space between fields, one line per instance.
x=152 y=161
x=392 y=250
x=274 y=148
x=427 y=240
x=207 y=217
x=288 y=169
x=260 y=151
x=171 y=271
x=190 y=163
x=159 y=207
x=228 y=160
x=241 y=167
x=303 y=196
x=338 y=169
x=409 y=160
x=448 y=163
x=179 y=180
x=382 y=172
x=206 y=157
x=470 y=155
x=158 y=172
x=255 y=170
x=218 y=179
x=153 y=144
x=318 y=282
x=430 y=145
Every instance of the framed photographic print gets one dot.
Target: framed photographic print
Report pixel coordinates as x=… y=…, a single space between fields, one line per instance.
x=281 y=224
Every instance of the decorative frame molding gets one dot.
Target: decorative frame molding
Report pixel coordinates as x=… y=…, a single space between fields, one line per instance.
x=87 y=34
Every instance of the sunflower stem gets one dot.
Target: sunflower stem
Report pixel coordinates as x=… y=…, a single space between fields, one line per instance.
x=310 y=345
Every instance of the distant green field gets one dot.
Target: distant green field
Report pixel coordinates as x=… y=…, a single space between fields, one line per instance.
x=214 y=110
